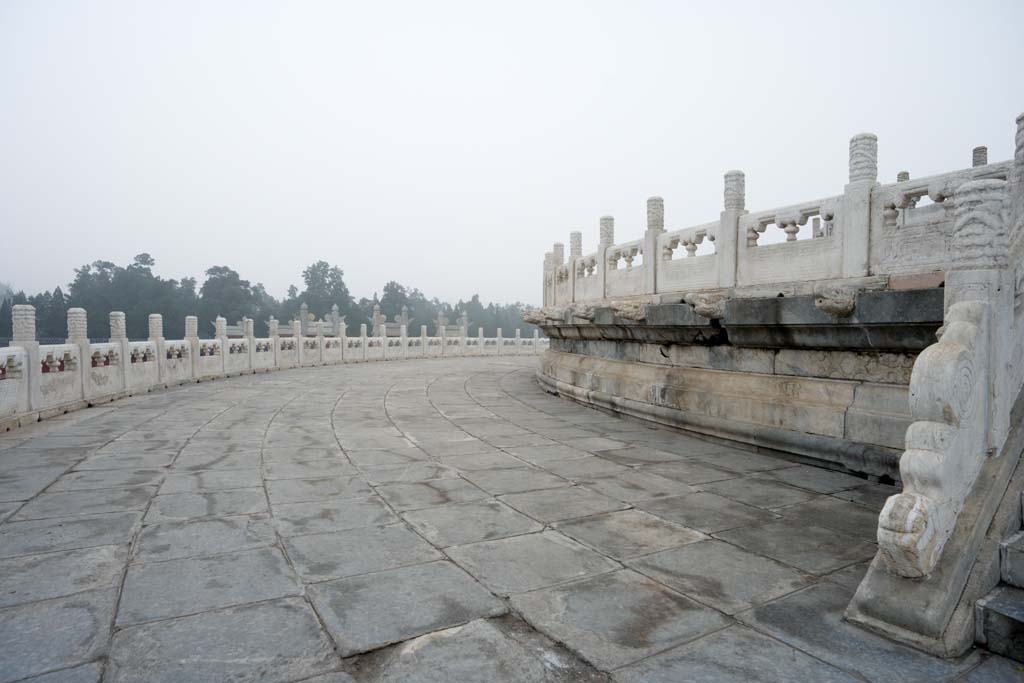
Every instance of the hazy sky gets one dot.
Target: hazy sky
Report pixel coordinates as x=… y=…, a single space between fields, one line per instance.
x=446 y=145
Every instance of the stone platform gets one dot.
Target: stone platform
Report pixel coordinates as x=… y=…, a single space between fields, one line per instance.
x=441 y=520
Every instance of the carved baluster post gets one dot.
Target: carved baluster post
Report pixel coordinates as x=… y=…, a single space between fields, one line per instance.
x=856 y=205
x=156 y=336
x=362 y=340
x=557 y=260
x=655 y=226
x=297 y=336
x=979 y=156
x=249 y=334
x=403 y=332
x=273 y=332
x=220 y=332
x=481 y=349
x=78 y=334
x=536 y=341
x=192 y=338
x=548 y=280
x=500 y=342
x=607 y=239
x=119 y=336
x=575 y=254
x=519 y=341
x=1016 y=190
x=303 y=319
x=319 y=328
x=727 y=240
x=23 y=322
x=423 y=340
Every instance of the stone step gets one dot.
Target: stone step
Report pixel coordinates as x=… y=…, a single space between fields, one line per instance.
x=999 y=622
x=1011 y=560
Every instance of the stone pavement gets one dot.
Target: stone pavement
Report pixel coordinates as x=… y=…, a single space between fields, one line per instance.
x=440 y=520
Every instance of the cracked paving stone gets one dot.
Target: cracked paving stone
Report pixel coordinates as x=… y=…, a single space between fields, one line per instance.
x=462 y=523
x=363 y=613
x=282 y=641
x=628 y=533
x=720 y=575
x=331 y=515
x=65 y=533
x=814 y=549
x=812 y=621
x=616 y=619
x=705 y=512
x=211 y=480
x=734 y=655
x=52 y=575
x=497 y=482
x=425 y=494
x=564 y=503
x=41 y=636
x=178 y=587
x=482 y=651
x=183 y=506
x=107 y=479
x=339 y=554
x=87 y=673
x=759 y=492
x=65 y=503
x=405 y=474
x=325 y=488
x=174 y=540
x=524 y=563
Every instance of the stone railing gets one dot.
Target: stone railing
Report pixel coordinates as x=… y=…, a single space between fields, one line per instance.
x=962 y=230
x=38 y=380
x=871 y=229
x=958 y=456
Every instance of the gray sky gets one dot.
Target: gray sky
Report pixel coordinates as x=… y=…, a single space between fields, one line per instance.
x=446 y=145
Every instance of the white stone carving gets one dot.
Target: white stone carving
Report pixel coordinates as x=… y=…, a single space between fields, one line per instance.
x=78 y=328
x=735 y=191
x=607 y=234
x=863 y=158
x=630 y=310
x=710 y=305
x=655 y=213
x=835 y=300
x=118 y=326
x=945 y=446
x=156 y=326
x=23 y=319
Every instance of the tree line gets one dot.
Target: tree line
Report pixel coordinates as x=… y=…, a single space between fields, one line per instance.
x=101 y=287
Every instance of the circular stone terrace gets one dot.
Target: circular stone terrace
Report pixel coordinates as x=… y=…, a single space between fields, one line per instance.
x=440 y=520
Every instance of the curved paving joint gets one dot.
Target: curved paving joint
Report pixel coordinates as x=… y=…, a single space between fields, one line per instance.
x=436 y=521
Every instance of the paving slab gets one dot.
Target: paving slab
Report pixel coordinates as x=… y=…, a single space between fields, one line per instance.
x=414 y=472
x=366 y=612
x=817 y=479
x=462 y=523
x=195 y=462
x=563 y=503
x=870 y=495
x=65 y=503
x=743 y=461
x=483 y=461
x=107 y=479
x=841 y=515
x=538 y=455
x=42 y=636
x=331 y=515
x=811 y=620
x=129 y=461
x=760 y=492
x=21 y=482
x=497 y=482
x=416 y=495
x=53 y=575
x=482 y=651
x=690 y=472
x=182 y=506
x=64 y=533
x=175 y=588
x=86 y=673
x=524 y=563
x=616 y=619
x=323 y=488
x=584 y=468
x=175 y=540
x=720 y=575
x=733 y=655
x=628 y=533
x=706 y=512
x=385 y=458
x=634 y=486
x=308 y=469
x=638 y=455
x=996 y=669
x=283 y=641
x=338 y=554
x=210 y=480
x=814 y=549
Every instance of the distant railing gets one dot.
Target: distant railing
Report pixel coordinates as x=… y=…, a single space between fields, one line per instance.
x=38 y=380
